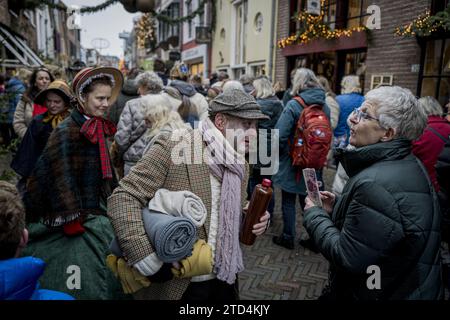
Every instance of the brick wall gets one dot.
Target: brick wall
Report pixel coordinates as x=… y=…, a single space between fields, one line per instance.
x=281 y=32
x=388 y=53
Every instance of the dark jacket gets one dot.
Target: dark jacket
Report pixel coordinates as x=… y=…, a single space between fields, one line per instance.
x=129 y=91
x=387 y=216
x=19 y=281
x=443 y=178
x=428 y=147
x=13 y=90
x=67 y=179
x=271 y=107
x=286 y=177
x=32 y=145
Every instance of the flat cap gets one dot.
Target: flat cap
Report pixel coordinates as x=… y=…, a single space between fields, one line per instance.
x=237 y=103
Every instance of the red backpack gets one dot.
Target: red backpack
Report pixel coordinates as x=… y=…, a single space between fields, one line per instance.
x=312 y=137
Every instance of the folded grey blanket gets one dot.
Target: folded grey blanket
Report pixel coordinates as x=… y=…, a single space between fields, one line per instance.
x=172 y=237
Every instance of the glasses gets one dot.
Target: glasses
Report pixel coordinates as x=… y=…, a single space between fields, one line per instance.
x=363 y=115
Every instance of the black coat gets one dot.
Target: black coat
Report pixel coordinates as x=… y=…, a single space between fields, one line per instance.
x=32 y=145
x=387 y=216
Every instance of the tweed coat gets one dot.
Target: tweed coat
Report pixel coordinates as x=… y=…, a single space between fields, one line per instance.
x=157 y=169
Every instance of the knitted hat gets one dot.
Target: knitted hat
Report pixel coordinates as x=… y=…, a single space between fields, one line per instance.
x=58 y=86
x=238 y=104
x=87 y=75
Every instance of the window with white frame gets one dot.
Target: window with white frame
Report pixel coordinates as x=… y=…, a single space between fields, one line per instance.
x=240 y=17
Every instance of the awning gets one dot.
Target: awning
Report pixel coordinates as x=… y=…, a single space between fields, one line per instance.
x=18 y=47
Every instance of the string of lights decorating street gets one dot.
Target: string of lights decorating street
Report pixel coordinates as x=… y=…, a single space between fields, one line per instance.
x=426 y=24
x=312 y=27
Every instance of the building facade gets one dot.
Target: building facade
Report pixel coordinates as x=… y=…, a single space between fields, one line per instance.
x=379 y=57
x=243 y=41
x=196 y=38
x=17 y=36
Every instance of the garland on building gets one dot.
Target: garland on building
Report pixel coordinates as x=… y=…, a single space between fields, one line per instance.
x=312 y=27
x=426 y=24
x=145 y=30
x=32 y=4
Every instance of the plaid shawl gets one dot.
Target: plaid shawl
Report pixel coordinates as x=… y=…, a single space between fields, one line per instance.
x=67 y=182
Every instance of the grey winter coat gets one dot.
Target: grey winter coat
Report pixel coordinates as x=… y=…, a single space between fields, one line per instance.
x=388 y=217
x=130 y=131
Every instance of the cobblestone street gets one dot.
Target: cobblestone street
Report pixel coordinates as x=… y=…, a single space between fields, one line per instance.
x=275 y=273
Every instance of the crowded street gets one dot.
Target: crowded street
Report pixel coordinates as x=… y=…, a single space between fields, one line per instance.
x=241 y=153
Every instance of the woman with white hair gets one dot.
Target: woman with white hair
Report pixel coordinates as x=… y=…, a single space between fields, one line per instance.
x=306 y=86
x=131 y=124
x=387 y=218
x=272 y=107
x=433 y=139
x=232 y=85
x=349 y=99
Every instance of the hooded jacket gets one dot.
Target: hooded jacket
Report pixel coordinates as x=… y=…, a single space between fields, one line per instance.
x=388 y=217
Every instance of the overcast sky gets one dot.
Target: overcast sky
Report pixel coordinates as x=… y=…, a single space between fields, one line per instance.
x=106 y=24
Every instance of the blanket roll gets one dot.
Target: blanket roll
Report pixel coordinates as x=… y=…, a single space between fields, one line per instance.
x=179 y=203
x=172 y=237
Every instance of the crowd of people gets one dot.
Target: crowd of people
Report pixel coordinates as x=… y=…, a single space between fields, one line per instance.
x=100 y=187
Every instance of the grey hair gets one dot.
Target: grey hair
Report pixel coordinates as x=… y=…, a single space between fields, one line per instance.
x=350 y=84
x=151 y=101
x=304 y=79
x=246 y=79
x=398 y=108
x=233 y=84
x=151 y=81
x=263 y=88
x=431 y=106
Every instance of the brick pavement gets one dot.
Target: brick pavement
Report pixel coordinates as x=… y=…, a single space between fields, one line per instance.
x=275 y=273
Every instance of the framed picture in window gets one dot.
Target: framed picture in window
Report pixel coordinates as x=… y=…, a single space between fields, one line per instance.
x=379 y=80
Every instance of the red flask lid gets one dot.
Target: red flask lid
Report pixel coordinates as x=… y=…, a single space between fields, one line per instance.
x=266 y=183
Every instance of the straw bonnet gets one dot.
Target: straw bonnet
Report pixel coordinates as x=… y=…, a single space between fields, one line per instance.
x=87 y=75
x=58 y=86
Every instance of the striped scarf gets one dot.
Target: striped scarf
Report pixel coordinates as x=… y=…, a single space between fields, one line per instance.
x=95 y=130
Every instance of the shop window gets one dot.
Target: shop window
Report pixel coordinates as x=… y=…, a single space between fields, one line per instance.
x=439 y=5
x=330 y=10
x=259 y=70
x=356 y=14
x=434 y=79
x=238 y=72
x=196 y=69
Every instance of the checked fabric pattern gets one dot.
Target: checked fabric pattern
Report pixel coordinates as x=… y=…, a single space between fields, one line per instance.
x=95 y=130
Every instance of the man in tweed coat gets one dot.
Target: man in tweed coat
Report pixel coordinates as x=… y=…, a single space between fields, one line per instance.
x=220 y=184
